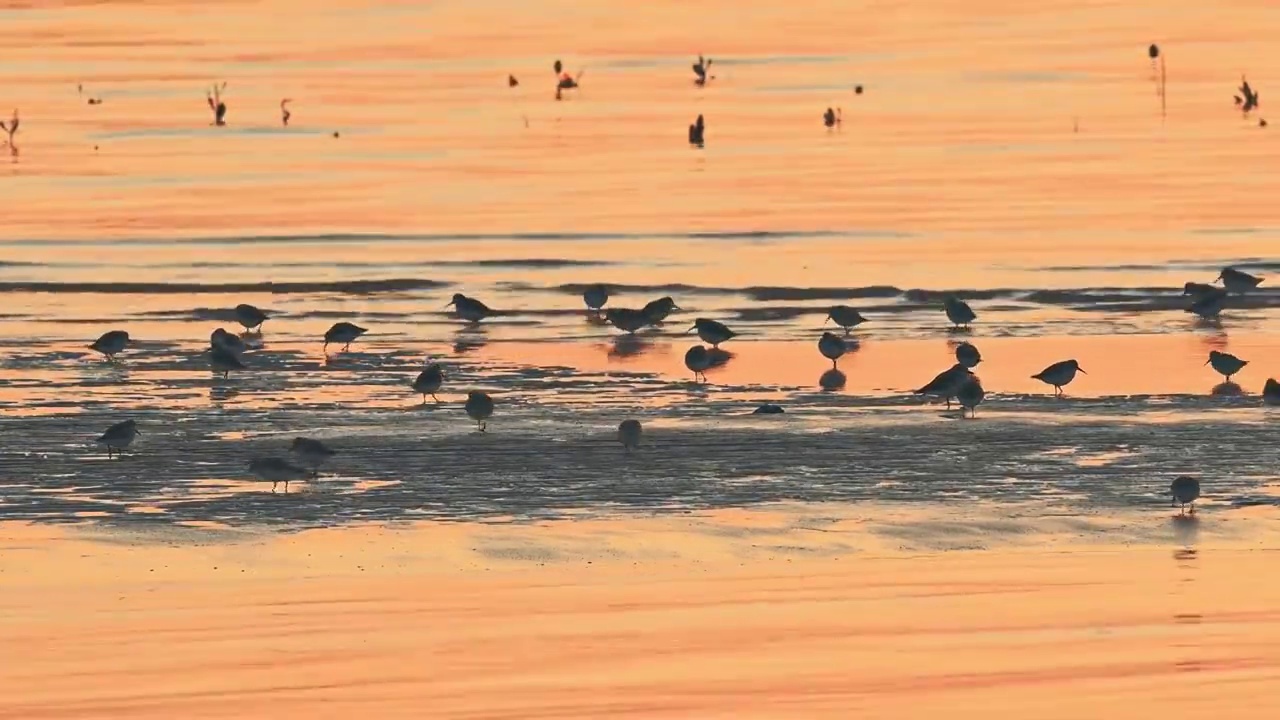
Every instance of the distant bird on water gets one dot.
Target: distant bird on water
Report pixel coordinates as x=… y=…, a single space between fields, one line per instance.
x=698 y=360
x=312 y=453
x=1208 y=305
x=219 y=108
x=429 y=381
x=284 y=111
x=1238 y=281
x=845 y=316
x=629 y=432
x=565 y=81
x=947 y=383
x=832 y=118
x=1185 y=491
x=512 y=81
x=119 y=436
x=697 y=132
x=595 y=297
x=832 y=347
x=970 y=394
x=1225 y=363
x=1059 y=374
x=111 y=343
x=1247 y=100
x=277 y=470
x=224 y=361
x=250 y=317
x=343 y=332
x=959 y=312
x=11 y=129
x=712 y=332
x=658 y=310
x=227 y=341
x=1271 y=392
x=700 y=70
x=469 y=309
x=479 y=407
x=1199 y=290
x=626 y=319
x=968 y=355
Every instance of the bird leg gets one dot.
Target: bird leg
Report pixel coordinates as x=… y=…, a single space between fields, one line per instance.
x=433 y=397
x=273 y=485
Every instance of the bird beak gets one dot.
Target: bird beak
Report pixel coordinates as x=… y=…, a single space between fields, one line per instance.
x=449 y=303
x=1081 y=370
x=824 y=322
x=695 y=327
x=1206 y=362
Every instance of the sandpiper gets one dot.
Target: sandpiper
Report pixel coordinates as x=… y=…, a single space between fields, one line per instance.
x=697 y=132
x=831 y=346
x=429 y=381
x=1238 y=281
x=219 y=108
x=595 y=297
x=224 y=361
x=626 y=319
x=629 y=432
x=284 y=112
x=947 y=383
x=119 y=436
x=968 y=355
x=712 y=332
x=1271 y=392
x=277 y=470
x=227 y=341
x=700 y=70
x=1059 y=374
x=1225 y=363
x=469 y=309
x=970 y=394
x=250 y=317
x=1208 y=305
x=658 y=310
x=111 y=343
x=1247 y=100
x=832 y=117
x=698 y=360
x=479 y=408
x=343 y=332
x=312 y=453
x=959 y=312
x=1185 y=491
x=1198 y=290
x=845 y=316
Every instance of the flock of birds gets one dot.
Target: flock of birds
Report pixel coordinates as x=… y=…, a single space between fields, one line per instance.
x=957 y=383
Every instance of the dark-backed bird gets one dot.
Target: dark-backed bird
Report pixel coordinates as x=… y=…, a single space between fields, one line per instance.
x=958 y=311
x=342 y=332
x=111 y=343
x=479 y=407
x=469 y=309
x=1225 y=363
x=429 y=381
x=118 y=436
x=946 y=384
x=845 y=316
x=250 y=317
x=1184 y=491
x=1059 y=374
x=312 y=453
x=712 y=331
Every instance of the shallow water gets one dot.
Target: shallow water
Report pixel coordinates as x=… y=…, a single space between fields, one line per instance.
x=1039 y=181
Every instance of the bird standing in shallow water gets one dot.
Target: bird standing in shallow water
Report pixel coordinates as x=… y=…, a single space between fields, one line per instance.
x=1185 y=491
x=629 y=432
x=284 y=112
x=1208 y=305
x=959 y=312
x=657 y=310
x=832 y=347
x=469 y=309
x=1238 y=281
x=231 y=343
x=1059 y=374
x=712 y=332
x=224 y=361
x=311 y=452
x=595 y=297
x=947 y=383
x=219 y=108
x=700 y=70
x=845 y=316
x=626 y=319
x=479 y=407
x=250 y=317
x=429 y=381
x=111 y=343
x=119 y=436
x=343 y=332
x=11 y=129
x=698 y=360
x=277 y=470
x=1271 y=392
x=697 y=132
x=1225 y=363
x=970 y=394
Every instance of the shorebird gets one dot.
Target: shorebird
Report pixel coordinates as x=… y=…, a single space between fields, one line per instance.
x=219 y=108
x=947 y=383
x=658 y=310
x=225 y=340
x=970 y=394
x=224 y=361
x=1185 y=491
x=1271 y=392
x=250 y=317
x=831 y=346
x=469 y=309
x=1225 y=363
x=626 y=319
x=343 y=332
x=698 y=360
x=846 y=317
x=11 y=129
x=111 y=343
x=629 y=432
x=1199 y=290
x=1059 y=374
x=1209 y=304
x=277 y=470
x=119 y=436
x=284 y=111
x=479 y=408
x=1237 y=281
x=312 y=453
x=697 y=132
x=595 y=297
x=958 y=312
x=429 y=381
x=832 y=118
x=712 y=332
x=700 y=69
x=512 y=81
x=1247 y=100
x=565 y=81
x=968 y=355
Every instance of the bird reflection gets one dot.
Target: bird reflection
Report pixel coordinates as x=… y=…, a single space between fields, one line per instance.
x=832 y=379
x=628 y=346
x=470 y=338
x=219 y=393
x=1214 y=340
x=1227 y=389
x=1186 y=532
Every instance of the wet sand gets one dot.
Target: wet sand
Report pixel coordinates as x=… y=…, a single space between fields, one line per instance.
x=809 y=611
